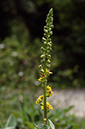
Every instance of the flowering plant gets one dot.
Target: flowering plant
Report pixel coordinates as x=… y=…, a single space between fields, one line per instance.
x=44 y=68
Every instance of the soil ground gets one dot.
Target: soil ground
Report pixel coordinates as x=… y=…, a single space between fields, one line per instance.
x=68 y=97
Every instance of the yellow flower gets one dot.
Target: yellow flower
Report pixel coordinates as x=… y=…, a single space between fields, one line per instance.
x=39 y=100
x=49 y=93
x=43 y=75
x=48 y=106
x=48 y=71
x=41 y=97
x=40 y=79
x=42 y=107
x=48 y=88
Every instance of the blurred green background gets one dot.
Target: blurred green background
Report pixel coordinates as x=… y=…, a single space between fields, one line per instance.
x=21 y=30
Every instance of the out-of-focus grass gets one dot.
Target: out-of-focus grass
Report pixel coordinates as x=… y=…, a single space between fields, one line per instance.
x=21 y=103
x=10 y=100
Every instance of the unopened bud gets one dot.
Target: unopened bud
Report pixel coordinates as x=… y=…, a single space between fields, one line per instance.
x=52 y=26
x=48 y=61
x=42 y=70
x=49 y=29
x=42 y=56
x=40 y=66
x=51 y=32
x=45 y=30
x=43 y=38
x=42 y=48
x=44 y=119
x=44 y=42
x=49 y=55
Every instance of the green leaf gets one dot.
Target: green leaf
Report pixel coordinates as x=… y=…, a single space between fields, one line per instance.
x=51 y=124
x=40 y=127
x=37 y=127
x=11 y=122
x=9 y=128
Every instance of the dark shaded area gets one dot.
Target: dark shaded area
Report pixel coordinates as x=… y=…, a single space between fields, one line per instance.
x=33 y=16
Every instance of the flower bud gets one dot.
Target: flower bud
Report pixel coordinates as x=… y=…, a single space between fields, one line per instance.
x=43 y=38
x=49 y=29
x=48 y=65
x=42 y=70
x=44 y=119
x=44 y=42
x=49 y=56
x=51 y=32
x=40 y=66
x=45 y=27
x=52 y=26
x=42 y=56
x=50 y=44
x=45 y=30
x=48 y=61
x=42 y=48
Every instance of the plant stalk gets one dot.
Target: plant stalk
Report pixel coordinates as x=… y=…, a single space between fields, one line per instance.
x=45 y=82
x=45 y=110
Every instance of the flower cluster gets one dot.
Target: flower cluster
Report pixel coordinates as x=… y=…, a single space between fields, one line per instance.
x=47 y=47
x=48 y=106
x=44 y=75
x=39 y=100
x=49 y=91
x=45 y=65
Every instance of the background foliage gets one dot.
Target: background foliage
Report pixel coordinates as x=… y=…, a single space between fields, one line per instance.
x=22 y=22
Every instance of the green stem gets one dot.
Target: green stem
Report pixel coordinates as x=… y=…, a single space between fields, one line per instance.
x=45 y=82
x=45 y=110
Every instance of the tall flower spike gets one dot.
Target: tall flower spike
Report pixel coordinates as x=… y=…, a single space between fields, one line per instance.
x=47 y=40
x=45 y=66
